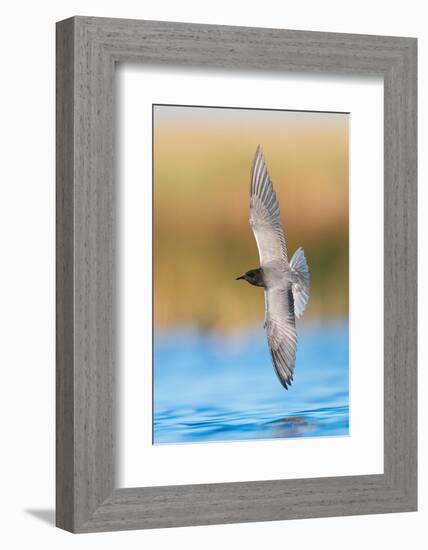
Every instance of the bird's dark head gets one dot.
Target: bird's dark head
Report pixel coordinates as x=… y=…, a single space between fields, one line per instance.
x=254 y=277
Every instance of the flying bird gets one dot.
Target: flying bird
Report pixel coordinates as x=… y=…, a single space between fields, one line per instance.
x=285 y=283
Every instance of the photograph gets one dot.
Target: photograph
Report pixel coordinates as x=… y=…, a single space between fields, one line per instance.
x=250 y=274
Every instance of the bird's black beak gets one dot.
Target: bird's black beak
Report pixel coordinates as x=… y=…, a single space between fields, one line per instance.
x=241 y=277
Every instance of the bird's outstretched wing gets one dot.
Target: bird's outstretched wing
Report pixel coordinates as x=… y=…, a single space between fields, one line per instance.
x=281 y=332
x=265 y=217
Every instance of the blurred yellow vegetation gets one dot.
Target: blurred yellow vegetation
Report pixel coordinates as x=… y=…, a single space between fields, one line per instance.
x=202 y=238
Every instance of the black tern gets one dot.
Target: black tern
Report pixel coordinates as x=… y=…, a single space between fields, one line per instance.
x=286 y=284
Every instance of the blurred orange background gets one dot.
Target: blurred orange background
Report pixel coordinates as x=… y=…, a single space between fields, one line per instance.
x=202 y=238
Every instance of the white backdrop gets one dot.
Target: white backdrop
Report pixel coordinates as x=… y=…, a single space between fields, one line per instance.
x=140 y=87
x=27 y=273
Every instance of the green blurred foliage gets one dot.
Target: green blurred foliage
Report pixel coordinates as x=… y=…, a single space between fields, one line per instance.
x=202 y=238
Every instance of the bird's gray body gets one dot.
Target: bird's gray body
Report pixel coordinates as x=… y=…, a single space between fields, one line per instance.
x=285 y=283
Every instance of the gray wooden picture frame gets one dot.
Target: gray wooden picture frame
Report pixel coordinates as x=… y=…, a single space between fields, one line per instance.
x=87 y=51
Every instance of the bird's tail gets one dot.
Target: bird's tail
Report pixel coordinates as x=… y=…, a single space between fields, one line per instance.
x=300 y=288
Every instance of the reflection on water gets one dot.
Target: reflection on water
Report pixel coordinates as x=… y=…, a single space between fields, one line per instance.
x=214 y=387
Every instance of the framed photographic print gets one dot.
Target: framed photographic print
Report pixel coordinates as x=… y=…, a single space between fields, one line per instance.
x=236 y=274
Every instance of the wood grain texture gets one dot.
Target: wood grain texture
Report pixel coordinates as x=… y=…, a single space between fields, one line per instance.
x=87 y=50
x=64 y=277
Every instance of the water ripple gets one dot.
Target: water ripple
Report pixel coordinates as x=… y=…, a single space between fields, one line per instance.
x=210 y=388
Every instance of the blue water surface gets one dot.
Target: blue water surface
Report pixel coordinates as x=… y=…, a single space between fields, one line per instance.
x=212 y=386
